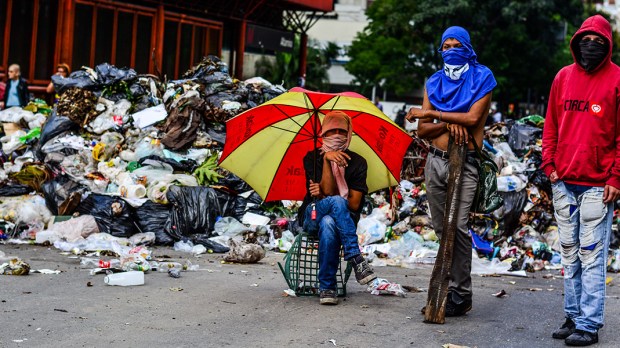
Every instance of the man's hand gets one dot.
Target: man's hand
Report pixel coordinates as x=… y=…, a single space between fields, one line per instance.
x=554 y=177
x=611 y=194
x=315 y=189
x=338 y=157
x=459 y=133
x=416 y=113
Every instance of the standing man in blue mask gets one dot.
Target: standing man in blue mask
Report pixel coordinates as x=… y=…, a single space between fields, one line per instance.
x=456 y=103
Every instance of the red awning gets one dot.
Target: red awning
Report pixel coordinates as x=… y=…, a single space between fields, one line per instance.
x=314 y=5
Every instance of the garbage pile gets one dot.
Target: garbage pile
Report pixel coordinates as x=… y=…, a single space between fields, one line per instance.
x=126 y=160
x=521 y=236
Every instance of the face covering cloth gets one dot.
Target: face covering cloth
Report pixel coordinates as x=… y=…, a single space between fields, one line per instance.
x=462 y=81
x=337 y=142
x=592 y=54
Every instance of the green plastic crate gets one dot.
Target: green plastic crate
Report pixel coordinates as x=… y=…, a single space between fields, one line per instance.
x=301 y=267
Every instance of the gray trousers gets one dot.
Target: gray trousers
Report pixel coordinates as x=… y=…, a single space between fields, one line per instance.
x=436 y=174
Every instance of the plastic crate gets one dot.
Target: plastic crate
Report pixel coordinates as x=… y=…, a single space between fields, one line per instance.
x=301 y=267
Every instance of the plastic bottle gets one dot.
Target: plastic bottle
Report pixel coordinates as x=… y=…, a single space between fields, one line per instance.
x=125 y=279
x=87 y=262
x=137 y=266
x=166 y=266
x=388 y=234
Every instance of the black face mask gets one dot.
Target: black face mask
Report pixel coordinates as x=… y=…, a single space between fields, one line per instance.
x=592 y=54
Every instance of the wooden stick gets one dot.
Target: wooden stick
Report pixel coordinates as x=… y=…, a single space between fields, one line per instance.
x=438 y=289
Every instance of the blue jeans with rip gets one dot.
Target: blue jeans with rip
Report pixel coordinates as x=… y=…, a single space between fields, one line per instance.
x=584 y=224
x=334 y=227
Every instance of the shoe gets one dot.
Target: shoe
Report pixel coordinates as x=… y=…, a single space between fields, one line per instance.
x=363 y=272
x=453 y=309
x=581 y=338
x=565 y=330
x=328 y=297
x=457 y=306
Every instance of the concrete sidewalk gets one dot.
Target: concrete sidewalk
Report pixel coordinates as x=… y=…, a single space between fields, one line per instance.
x=243 y=306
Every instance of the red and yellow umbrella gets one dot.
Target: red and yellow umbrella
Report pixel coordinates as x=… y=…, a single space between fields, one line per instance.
x=265 y=145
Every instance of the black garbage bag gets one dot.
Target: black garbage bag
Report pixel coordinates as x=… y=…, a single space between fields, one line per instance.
x=247 y=205
x=217 y=131
x=108 y=75
x=112 y=214
x=141 y=103
x=207 y=66
x=152 y=217
x=514 y=202
x=522 y=135
x=187 y=166
x=58 y=190
x=136 y=90
x=614 y=241
x=234 y=183
x=55 y=125
x=14 y=190
x=540 y=179
x=209 y=244
x=80 y=79
x=195 y=209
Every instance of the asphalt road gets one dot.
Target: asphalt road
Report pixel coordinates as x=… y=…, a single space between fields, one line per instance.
x=243 y=306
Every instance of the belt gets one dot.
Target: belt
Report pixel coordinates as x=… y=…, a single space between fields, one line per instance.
x=439 y=153
x=444 y=154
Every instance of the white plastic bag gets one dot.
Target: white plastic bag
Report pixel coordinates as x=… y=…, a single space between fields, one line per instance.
x=370 y=230
x=229 y=226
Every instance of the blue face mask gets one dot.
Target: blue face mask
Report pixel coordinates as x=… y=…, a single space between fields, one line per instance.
x=456 y=56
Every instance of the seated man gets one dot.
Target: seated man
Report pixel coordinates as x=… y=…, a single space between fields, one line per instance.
x=333 y=203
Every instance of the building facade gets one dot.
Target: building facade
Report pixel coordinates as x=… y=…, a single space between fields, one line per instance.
x=152 y=36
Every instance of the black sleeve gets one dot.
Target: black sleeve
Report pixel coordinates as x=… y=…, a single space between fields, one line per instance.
x=25 y=94
x=357 y=177
x=310 y=159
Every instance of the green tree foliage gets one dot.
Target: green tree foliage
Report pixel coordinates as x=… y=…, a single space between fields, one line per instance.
x=524 y=43
x=285 y=68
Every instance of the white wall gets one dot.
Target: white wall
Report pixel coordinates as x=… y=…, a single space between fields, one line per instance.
x=351 y=19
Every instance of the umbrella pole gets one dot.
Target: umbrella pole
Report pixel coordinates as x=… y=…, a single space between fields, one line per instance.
x=438 y=288
x=315 y=139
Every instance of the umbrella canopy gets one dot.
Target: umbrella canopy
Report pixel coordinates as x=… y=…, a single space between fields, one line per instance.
x=265 y=145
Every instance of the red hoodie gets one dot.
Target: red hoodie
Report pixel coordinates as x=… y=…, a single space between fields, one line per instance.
x=581 y=138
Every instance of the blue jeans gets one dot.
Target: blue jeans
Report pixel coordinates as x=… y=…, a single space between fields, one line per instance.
x=584 y=223
x=334 y=227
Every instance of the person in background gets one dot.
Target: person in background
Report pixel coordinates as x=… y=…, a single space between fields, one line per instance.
x=63 y=70
x=400 y=117
x=496 y=115
x=334 y=202
x=581 y=157
x=16 y=91
x=378 y=103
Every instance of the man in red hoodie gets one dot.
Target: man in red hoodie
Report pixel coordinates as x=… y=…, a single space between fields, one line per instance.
x=581 y=156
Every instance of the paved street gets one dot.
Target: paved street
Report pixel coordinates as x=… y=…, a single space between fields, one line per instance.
x=242 y=306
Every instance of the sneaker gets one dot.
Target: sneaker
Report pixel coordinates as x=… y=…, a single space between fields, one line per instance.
x=456 y=306
x=328 y=297
x=363 y=272
x=581 y=338
x=565 y=330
